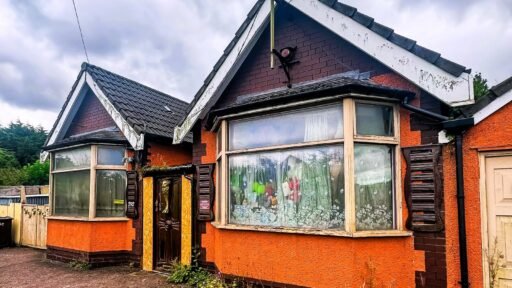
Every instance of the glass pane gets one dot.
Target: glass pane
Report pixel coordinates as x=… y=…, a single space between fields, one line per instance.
x=71 y=193
x=72 y=159
x=110 y=193
x=373 y=187
x=219 y=140
x=374 y=119
x=110 y=155
x=325 y=123
x=164 y=196
x=293 y=188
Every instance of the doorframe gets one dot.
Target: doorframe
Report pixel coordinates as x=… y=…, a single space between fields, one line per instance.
x=156 y=183
x=482 y=157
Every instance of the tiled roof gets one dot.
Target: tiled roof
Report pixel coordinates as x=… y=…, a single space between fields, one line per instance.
x=495 y=92
x=365 y=20
x=109 y=135
x=147 y=110
x=330 y=86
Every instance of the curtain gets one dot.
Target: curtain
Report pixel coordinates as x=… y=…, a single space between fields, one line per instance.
x=71 y=193
x=110 y=193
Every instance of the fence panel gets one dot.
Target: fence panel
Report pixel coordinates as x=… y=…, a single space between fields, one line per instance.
x=33 y=232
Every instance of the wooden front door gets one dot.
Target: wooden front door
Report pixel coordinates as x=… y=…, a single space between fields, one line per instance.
x=498 y=182
x=167 y=220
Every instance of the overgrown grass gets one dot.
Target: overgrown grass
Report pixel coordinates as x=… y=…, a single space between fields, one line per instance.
x=195 y=276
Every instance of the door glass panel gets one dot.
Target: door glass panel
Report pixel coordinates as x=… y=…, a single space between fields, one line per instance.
x=71 y=193
x=373 y=187
x=176 y=192
x=374 y=119
x=111 y=155
x=319 y=124
x=164 y=196
x=72 y=159
x=110 y=193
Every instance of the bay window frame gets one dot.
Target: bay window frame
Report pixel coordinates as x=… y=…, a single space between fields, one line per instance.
x=349 y=140
x=93 y=168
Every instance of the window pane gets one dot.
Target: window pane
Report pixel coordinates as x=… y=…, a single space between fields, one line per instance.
x=110 y=193
x=71 y=159
x=373 y=187
x=71 y=193
x=110 y=155
x=293 y=188
x=219 y=140
x=374 y=119
x=318 y=124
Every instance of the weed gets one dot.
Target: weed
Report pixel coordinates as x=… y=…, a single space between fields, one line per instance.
x=79 y=265
x=495 y=262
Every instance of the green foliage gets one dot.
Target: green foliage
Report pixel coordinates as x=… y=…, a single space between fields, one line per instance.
x=79 y=265
x=480 y=86
x=194 y=276
x=8 y=159
x=12 y=176
x=24 y=140
x=37 y=173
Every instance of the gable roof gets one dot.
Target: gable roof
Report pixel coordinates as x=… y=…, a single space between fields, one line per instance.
x=137 y=109
x=497 y=97
x=448 y=81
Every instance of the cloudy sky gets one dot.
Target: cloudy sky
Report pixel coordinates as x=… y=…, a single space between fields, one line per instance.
x=171 y=45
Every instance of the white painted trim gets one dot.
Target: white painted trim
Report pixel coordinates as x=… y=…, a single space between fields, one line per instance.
x=236 y=56
x=492 y=107
x=135 y=140
x=452 y=90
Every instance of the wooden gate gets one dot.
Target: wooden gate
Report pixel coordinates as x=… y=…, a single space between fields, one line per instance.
x=33 y=227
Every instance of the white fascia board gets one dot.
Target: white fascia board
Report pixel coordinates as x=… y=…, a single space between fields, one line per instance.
x=136 y=140
x=454 y=91
x=492 y=107
x=217 y=81
x=65 y=115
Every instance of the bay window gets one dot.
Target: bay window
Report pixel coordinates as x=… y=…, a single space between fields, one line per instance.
x=330 y=167
x=89 y=181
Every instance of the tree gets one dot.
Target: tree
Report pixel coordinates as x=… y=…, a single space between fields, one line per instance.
x=36 y=173
x=24 y=140
x=7 y=159
x=480 y=86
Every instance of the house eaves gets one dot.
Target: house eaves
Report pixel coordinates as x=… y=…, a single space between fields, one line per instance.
x=448 y=81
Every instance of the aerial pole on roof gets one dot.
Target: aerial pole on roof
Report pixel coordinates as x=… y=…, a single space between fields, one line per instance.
x=272 y=23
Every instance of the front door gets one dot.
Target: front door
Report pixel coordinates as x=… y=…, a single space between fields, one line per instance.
x=498 y=181
x=168 y=220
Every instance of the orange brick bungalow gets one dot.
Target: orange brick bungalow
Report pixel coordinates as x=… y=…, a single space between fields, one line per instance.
x=358 y=160
x=110 y=133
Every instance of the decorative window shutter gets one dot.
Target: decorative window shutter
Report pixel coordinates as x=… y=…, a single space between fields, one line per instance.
x=205 y=189
x=132 y=195
x=424 y=188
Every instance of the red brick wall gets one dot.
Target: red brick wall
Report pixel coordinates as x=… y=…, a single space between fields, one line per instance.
x=321 y=53
x=91 y=116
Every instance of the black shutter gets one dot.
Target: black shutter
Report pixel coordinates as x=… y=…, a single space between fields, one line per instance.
x=132 y=195
x=205 y=190
x=424 y=188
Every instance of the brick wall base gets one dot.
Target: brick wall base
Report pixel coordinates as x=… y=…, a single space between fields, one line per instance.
x=94 y=259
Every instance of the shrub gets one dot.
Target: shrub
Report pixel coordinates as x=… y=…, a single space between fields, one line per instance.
x=37 y=173
x=12 y=176
x=195 y=276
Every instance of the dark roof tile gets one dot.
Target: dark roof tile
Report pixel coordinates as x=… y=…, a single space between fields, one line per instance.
x=344 y=9
x=382 y=30
x=402 y=41
x=426 y=54
x=449 y=66
x=363 y=19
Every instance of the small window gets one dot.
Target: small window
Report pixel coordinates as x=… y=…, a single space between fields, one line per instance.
x=373 y=187
x=375 y=120
x=110 y=155
x=320 y=124
x=110 y=193
x=72 y=159
x=71 y=193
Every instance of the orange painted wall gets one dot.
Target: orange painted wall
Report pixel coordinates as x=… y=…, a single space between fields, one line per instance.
x=493 y=133
x=91 y=236
x=169 y=155
x=317 y=261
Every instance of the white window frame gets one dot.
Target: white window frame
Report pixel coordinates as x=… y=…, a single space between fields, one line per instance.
x=93 y=167
x=350 y=138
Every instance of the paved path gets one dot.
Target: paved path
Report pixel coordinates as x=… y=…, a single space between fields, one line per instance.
x=25 y=267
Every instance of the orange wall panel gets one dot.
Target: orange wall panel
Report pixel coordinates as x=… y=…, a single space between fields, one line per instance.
x=169 y=155
x=91 y=236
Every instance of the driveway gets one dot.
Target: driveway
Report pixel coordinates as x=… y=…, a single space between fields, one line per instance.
x=26 y=267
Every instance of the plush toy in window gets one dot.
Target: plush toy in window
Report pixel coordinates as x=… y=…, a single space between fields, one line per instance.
x=294 y=185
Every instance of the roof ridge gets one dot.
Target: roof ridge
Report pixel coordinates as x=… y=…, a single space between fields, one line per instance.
x=86 y=65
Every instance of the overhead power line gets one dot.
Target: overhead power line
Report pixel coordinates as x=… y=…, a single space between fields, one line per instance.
x=80 y=29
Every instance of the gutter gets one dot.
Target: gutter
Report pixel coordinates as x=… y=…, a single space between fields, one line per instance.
x=458 y=127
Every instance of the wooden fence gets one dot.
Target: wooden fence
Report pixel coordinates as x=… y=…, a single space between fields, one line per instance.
x=29 y=223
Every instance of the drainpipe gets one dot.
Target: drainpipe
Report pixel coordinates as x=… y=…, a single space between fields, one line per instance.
x=457 y=127
x=464 y=282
